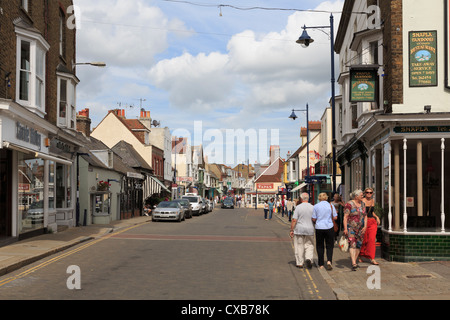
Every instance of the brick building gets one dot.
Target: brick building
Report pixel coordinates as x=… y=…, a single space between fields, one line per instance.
x=393 y=119
x=37 y=117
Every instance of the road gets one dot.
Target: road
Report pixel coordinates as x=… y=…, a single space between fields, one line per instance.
x=223 y=255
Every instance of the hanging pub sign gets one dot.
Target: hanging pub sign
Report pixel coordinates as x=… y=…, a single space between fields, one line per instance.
x=364 y=83
x=447 y=43
x=423 y=66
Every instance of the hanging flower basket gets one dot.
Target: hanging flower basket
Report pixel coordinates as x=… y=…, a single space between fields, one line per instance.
x=103 y=186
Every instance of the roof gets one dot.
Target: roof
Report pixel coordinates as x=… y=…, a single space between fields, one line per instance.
x=130 y=156
x=273 y=173
x=92 y=144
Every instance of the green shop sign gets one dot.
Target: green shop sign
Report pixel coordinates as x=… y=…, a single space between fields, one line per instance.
x=422 y=58
x=363 y=87
x=422 y=129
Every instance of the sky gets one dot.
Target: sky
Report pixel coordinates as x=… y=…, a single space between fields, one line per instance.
x=225 y=77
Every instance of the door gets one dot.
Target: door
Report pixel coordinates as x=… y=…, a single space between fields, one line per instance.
x=5 y=192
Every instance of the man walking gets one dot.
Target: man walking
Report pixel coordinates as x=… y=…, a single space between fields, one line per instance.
x=302 y=231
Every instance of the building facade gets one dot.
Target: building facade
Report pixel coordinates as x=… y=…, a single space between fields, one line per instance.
x=395 y=120
x=37 y=117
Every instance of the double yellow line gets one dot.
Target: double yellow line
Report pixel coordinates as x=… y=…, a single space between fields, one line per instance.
x=62 y=256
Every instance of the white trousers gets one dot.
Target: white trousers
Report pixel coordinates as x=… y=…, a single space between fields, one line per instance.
x=304 y=248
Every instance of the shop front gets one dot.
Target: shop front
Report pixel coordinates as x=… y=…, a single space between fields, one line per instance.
x=263 y=192
x=408 y=164
x=36 y=184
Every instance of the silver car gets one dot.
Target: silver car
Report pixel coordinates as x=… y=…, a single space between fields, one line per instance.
x=169 y=210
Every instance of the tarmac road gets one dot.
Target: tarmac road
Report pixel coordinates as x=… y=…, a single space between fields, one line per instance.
x=224 y=255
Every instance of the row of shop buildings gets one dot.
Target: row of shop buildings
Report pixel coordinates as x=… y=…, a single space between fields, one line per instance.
x=53 y=171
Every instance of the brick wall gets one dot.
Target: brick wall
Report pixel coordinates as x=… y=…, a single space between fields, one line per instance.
x=392 y=15
x=44 y=16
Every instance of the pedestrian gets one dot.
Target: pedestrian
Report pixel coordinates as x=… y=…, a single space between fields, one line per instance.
x=290 y=208
x=339 y=206
x=266 y=209
x=368 y=247
x=271 y=207
x=278 y=205
x=302 y=231
x=355 y=225
x=323 y=215
x=283 y=206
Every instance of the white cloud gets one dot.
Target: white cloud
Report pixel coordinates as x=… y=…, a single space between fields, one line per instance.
x=258 y=71
x=197 y=83
x=124 y=35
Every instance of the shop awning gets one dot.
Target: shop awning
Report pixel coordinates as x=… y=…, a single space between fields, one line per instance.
x=160 y=183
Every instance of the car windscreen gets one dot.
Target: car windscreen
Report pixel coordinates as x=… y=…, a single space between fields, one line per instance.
x=191 y=199
x=183 y=202
x=168 y=205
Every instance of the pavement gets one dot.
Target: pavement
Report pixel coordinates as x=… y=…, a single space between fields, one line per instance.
x=391 y=281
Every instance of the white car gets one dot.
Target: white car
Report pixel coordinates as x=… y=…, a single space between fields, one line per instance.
x=196 y=202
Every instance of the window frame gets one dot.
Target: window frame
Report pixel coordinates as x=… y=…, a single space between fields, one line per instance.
x=70 y=119
x=37 y=45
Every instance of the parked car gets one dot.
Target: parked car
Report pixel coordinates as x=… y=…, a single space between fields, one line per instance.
x=187 y=206
x=169 y=210
x=204 y=206
x=196 y=203
x=209 y=205
x=228 y=203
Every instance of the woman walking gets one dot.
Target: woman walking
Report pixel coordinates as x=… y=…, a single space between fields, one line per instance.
x=323 y=215
x=368 y=247
x=355 y=225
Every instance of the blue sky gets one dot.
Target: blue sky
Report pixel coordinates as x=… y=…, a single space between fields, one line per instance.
x=241 y=72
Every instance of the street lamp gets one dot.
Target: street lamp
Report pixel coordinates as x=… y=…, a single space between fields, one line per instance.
x=305 y=40
x=294 y=117
x=94 y=64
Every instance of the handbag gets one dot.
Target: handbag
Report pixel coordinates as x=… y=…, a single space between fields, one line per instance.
x=335 y=225
x=343 y=244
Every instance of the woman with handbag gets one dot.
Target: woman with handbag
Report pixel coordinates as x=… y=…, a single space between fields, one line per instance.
x=323 y=216
x=355 y=225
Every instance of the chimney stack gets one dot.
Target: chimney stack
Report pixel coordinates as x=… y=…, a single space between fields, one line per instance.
x=84 y=122
x=146 y=119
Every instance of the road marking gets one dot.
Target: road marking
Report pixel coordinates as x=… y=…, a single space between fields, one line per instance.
x=161 y=237
x=62 y=256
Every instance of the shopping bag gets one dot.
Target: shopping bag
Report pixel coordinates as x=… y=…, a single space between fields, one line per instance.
x=343 y=244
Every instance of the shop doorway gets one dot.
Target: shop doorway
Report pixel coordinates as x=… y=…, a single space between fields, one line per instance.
x=5 y=193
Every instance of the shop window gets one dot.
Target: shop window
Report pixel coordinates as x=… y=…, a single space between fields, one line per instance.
x=30 y=193
x=63 y=186
x=51 y=185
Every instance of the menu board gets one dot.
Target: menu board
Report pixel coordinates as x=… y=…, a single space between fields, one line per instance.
x=423 y=65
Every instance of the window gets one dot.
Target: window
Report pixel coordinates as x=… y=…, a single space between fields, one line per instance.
x=373 y=52
x=30 y=72
x=66 y=102
x=354 y=108
x=63 y=102
x=62 y=34
x=30 y=193
x=51 y=185
x=63 y=186
x=25 y=70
